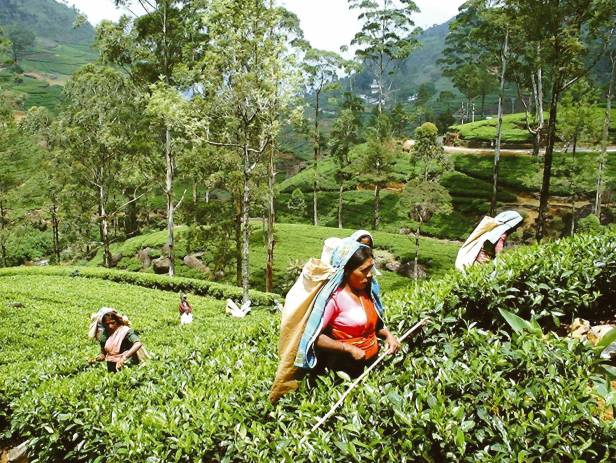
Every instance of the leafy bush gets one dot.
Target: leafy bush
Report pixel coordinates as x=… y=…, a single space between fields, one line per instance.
x=590 y=224
x=149 y=280
x=459 y=392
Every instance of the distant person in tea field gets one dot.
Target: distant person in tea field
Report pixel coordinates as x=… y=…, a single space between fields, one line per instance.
x=186 y=310
x=338 y=326
x=119 y=344
x=488 y=239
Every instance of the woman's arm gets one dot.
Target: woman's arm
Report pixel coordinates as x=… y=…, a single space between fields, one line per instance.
x=390 y=339
x=324 y=342
x=126 y=355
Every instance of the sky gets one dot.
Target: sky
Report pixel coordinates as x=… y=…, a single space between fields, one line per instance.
x=327 y=24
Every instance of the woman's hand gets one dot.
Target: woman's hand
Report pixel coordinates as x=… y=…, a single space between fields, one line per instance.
x=99 y=358
x=393 y=344
x=120 y=363
x=355 y=352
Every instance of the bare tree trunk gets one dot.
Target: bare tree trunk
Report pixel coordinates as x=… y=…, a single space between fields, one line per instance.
x=340 y=205
x=499 y=128
x=271 y=218
x=416 y=267
x=170 y=204
x=3 y=228
x=55 y=230
x=539 y=113
x=604 y=138
x=104 y=228
x=547 y=159
x=207 y=197
x=573 y=185
x=238 y=242
x=131 y=226
x=317 y=152
x=194 y=198
x=377 y=207
x=246 y=225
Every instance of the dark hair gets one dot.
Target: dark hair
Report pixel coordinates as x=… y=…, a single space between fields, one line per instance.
x=359 y=257
x=369 y=238
x=116 y=318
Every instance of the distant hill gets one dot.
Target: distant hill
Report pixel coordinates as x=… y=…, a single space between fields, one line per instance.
x=419 y=68
x=59 y=50
x=47 y=19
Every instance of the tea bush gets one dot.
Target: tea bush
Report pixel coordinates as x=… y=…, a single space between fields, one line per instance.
x=150 y=280
x=465 y=389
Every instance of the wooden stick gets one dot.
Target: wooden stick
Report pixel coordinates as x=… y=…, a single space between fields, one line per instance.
x=325 y=417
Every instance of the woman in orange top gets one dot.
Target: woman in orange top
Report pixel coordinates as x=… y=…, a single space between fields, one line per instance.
x=351 y=324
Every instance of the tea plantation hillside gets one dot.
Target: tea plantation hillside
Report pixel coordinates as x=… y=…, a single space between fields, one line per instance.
x=470 y=187
x=468 y=388
x=295 y=243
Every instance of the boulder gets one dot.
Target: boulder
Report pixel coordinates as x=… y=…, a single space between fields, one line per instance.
x=115 y=258
x=41 y=262
x=407 y=146
x=165 y=249
x=161 y=265
x=144 y=257
x=385 y=259
x=407 y=269
x=192 y=261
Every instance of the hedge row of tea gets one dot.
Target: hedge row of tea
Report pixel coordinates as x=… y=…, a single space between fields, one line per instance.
x=149 y=280
x=466 y=389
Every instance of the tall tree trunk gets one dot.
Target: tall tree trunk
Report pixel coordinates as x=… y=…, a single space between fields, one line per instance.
x=340 y=205
x=131 y=226
x=604 y=138
x=377 y=207
x=194 y=199
x=55 y=230
x=416 y=267
x=271 y=218
x=317 y=152
x=539 y=113
x=547 y=159
x=573 y=185
x=170 y=204
x=499 y=128
x=238 y=241
x=3 y=228
x=246 y=224
x=483 y=105
x=104 y=228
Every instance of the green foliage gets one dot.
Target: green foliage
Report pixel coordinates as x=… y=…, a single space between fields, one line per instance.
x=149 y=280
x=590 y=224
x=297 y=202
x=458 y=392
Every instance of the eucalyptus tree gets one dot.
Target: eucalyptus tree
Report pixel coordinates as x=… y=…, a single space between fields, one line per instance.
x=428 y=154
x=320 y=70
x=242 y=70
x=40 y=123
x=376 y=165
x=610 y=46
x=9 y=178
x=97 y=127
x=576 y=123
x=565 y=31
x=156 y=45
x=387 y=37
x=480 y=36
x=344 y=135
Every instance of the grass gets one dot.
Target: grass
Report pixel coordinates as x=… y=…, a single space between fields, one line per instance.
x=295 y=243
x=514 y=128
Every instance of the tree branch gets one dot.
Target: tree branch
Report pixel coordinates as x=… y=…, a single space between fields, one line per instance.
x=124 y=205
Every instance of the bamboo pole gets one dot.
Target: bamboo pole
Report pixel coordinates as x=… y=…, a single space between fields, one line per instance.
x=355 y=383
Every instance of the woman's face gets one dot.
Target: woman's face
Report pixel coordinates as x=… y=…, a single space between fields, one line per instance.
x=110 y=324
x=365 y=240
x=359 y=278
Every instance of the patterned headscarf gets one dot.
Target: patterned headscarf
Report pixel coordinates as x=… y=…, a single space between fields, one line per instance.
x=306 y=356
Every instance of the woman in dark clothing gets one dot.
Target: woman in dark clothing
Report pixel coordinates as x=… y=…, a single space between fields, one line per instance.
x=119 y=343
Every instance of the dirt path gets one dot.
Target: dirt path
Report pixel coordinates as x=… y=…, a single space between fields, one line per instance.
x=512 y=152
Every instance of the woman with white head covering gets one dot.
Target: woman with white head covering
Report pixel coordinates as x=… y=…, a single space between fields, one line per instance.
x=487 y=239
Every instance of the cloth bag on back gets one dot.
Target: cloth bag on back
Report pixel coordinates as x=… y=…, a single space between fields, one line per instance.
x=297 y=308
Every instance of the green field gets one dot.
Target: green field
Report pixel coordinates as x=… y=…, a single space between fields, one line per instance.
x=468 y=389
x=514 y=128
x=295 y=244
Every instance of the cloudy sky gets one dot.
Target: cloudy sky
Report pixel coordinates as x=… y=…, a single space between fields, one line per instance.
x=327 y=24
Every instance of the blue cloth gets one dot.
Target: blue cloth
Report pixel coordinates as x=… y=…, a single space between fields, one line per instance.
x=306 y=357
